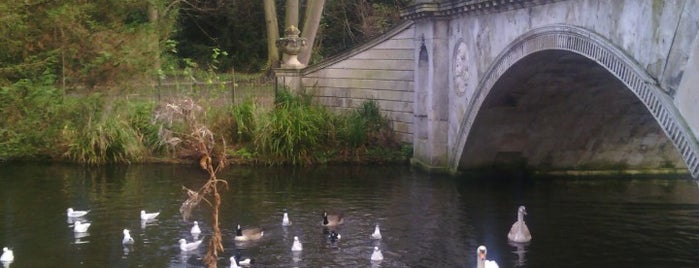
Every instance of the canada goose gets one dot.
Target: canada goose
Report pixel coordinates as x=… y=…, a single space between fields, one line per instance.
x=184 y=246
x=148 y=216
x=377 y=233
x=76 y=213
x=332 y=219
x=519 y=232
x=127 y=240
x=481 y=253
x=248 y=234
x=195 y=229
x=7 y=255
x=297 y=244
x=79 y=227
x=376 y=256
x=285 y=220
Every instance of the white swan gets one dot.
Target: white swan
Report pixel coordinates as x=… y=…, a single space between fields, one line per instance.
x=7 y=255
x=76 y=213
x=519 y=232
x=184 y=246
x=376 y=256
x=285 y=220
x=297 y=244
x=377 y=233
x=80 y=227
x=195 y=229
x=127 y=240
x=148 y=216
x=481 y=253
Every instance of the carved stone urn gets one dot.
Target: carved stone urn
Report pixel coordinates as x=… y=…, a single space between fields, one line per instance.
x=291 y=45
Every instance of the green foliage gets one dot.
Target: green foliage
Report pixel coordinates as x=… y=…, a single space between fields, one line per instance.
x=292 y=130
x=98 y=133
x=140 y=117
x=243 y=126
x=86 y=43
x=30 y=118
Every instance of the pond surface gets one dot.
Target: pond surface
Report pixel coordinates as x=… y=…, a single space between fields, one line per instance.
x=426 y=220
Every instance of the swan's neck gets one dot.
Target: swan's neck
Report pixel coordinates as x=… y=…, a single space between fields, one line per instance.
x=480 y=263
x=520 y=216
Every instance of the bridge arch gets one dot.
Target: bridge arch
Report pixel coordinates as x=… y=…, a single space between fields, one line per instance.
x=595 y=48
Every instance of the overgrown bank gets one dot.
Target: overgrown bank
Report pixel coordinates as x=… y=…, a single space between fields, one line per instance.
x=41 y=122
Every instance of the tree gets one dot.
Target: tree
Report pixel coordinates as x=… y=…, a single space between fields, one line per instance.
x=272 y=33
x=314 y=11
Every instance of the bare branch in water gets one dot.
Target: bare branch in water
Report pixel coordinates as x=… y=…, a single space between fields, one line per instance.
x=199 y=139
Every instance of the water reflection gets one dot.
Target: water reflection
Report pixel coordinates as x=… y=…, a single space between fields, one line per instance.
x=426 y=220
x=147 y=223
x=6 y=264
x=80 y=238
x=520 y=249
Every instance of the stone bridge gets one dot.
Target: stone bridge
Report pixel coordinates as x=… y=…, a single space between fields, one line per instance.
x=556 y=85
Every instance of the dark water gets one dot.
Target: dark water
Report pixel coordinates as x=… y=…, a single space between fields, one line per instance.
x=426 y=221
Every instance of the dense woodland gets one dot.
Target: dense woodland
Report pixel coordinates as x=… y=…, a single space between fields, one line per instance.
x=89 y=43
x=67 y=69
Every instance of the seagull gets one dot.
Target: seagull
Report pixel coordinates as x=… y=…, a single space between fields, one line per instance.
x=184 y=246
x=377 y=233
x=7 y=255
x=519 y=232
x=376 y=256
x=195 y=229
x=79 y=227
x=297 y=245
x=148 y=216
x=285 y=220
x=76 y=213
x=128 y=240
x=481 y=252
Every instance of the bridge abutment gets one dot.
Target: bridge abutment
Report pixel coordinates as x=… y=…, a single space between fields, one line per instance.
x=431 y=109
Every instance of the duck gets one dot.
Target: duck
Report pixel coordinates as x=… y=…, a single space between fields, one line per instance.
x=127 y=240
x=149 y=216
x=297 y=244
x=481 y=262
x=195 y=229
x=377 y=255
x=76 y=213
x=332 y=219
x=237 y=264
x=184 y=246
x=7 y=255
x=80 y=227
x=519 y=232
x=248 y=234
x=334 y=236
x=285 y=220
x=377 y=233
x=234 y=264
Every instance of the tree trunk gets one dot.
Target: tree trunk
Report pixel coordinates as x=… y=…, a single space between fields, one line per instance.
x=272 y=33
x=314 y=10
x=292 y=13
x=154 y=44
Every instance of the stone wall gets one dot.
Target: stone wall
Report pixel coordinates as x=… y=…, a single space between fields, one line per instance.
x=380 y=70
